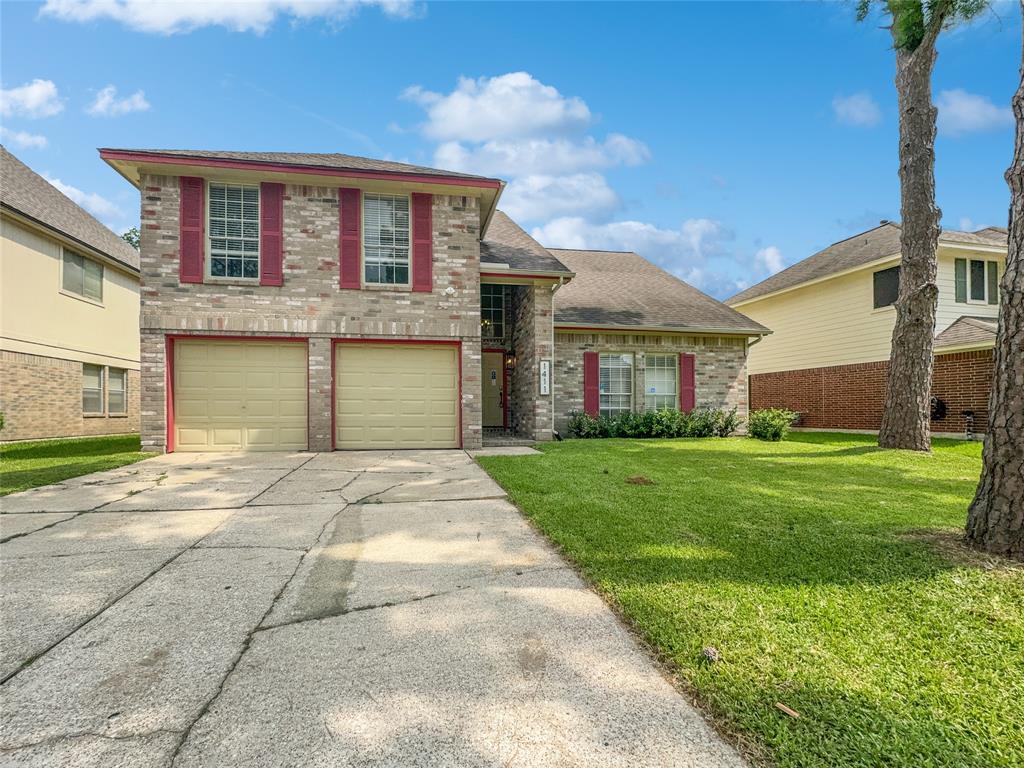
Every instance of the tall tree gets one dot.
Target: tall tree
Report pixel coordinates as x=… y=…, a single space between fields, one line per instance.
x=995 y=521
x=915 y=27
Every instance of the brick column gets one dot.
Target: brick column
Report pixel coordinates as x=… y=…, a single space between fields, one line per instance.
x=321 y=394
x=153 y=392
x=533 y=341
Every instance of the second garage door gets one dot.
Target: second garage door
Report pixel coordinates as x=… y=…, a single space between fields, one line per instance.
x=391 y=396
x=239 y=395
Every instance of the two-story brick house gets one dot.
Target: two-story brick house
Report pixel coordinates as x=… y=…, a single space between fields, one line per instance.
x=832 y=316
x=297 y=301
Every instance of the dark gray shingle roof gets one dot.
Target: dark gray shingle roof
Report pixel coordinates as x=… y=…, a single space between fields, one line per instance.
x=624 y=289
x=967 y=330
x=506 y=243
x=864 y=248
x=332 y=160
x=26 y=192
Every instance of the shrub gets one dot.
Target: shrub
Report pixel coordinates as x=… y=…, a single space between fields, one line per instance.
x=581 y=425
x=705 y=422
x=667 y=423
x=770 y=423
x=730 y=423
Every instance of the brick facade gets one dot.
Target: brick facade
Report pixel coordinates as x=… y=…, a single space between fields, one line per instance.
x=41 y=397
x=310 y=304
x=721 y=367
x=853 y=396
x=532 y=336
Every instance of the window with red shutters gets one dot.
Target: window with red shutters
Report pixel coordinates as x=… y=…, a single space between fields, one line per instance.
x=687 y=382
x=349 y=245
x=271 y=233
x=422 y=242
x=192 y=234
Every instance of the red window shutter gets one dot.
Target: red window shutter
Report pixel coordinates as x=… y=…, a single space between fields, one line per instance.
x=271 y=234
x=687 y=382
x=350 y=217
x=192 y=230
x=591 y=383
x=422 y=242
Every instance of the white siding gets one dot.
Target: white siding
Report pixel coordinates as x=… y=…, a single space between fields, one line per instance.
x=949 y=309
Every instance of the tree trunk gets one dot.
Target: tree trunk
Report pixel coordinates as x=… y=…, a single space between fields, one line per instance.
x=995 y=521
x=905 y=420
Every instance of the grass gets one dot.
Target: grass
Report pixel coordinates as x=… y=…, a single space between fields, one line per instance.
x=827 y=573
x=41 y=462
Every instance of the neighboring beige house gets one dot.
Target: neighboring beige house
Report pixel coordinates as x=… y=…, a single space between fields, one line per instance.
x=320 y=301
x=69 y=315
x=832 y=317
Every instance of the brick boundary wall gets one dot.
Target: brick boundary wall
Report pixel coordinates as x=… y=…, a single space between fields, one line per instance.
x=852 y=396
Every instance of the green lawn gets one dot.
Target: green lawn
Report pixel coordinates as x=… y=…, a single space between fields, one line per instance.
x=826 y=572
x=41 y=462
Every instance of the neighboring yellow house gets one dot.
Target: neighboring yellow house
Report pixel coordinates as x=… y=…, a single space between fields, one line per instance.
x=69 y=315
x=832 y=317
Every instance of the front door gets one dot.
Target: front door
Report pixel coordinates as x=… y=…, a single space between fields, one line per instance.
x=494 y=389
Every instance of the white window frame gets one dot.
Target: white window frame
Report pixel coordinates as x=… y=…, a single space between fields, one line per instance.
x=499 y=309
x=984 y=282
x=64 y=253
x=110 y=389
x=102 y=390
x=208 y=267
x=673 y=397
x=362 y=244
x=608 y=410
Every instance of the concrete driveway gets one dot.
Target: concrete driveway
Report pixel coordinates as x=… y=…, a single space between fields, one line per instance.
x=344 y=609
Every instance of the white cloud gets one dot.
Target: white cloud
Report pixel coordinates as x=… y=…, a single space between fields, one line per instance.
x=22 y=139
x=961 y=112
x=966 y=224
x=857 y=109
x=539 y=196
x=682 y=251
x=699 y=251
x=36 y=99
x=174 y=16
x=769 y=259
x=544 y=156
x=108 y=105
x=97 y=205
x=514 y=105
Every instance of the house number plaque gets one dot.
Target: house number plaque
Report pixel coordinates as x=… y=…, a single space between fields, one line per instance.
x=545 y=377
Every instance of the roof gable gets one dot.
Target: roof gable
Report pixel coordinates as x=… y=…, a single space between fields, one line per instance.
x=864 y=248
x=24 y=191
x=507 y=244
x=621 y=288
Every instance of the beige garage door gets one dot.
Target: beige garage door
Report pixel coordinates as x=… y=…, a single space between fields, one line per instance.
x=392 y=396
x=239 y=395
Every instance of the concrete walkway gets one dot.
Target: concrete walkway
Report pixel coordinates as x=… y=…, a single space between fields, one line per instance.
x=344 y=609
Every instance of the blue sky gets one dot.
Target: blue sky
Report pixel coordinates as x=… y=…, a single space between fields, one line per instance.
x=721 y=140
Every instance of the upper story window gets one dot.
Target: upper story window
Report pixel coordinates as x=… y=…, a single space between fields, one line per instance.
x=616 y=384
x=661 y=382
x=234 y=231
x=886 y=287
x=386 y=239
x=492 y=311
x=82 y=276
x=976 y=280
